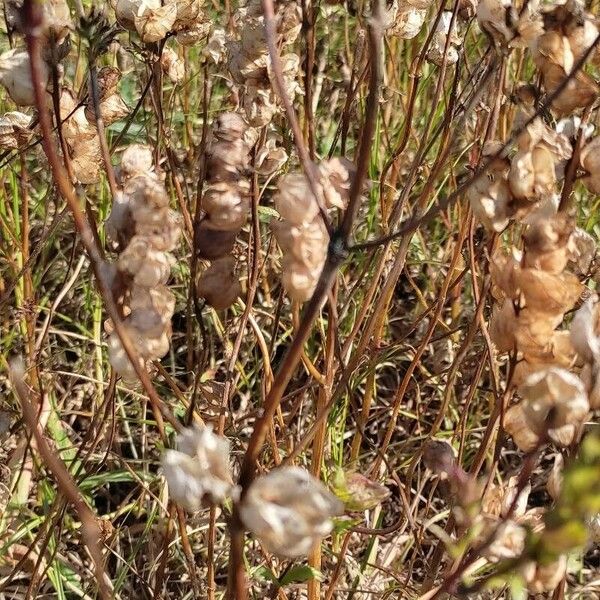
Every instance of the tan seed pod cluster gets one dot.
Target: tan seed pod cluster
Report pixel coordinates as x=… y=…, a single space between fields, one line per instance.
x=225 y=202
x=525 y=186
x=301 y=234
x=534 y=293
x=145 y=230
x=568 y=32
x=154 y=20
x=249 y=62
x=533 y=170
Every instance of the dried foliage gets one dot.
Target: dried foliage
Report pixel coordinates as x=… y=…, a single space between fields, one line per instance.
x=300 y=300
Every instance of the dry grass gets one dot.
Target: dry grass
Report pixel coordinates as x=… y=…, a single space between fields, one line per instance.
x=398 y=354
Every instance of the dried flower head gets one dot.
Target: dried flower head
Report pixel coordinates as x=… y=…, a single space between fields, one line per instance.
x=289 y=511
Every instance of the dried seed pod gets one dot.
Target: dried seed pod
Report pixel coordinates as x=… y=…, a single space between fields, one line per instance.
x=357 y=492
x=553 y=56
x=289 y=511
x=582 y=251
x=439 y=456
x=585 y=330
x=211 y=243
x=555 y=403
x=148 y=267
x=503 y=269
x=148 y=199
x=554 y=482
x=112 y=106
x=198 y=473
x=189 y=12
x=590 y=161
x=153 y=24
x=14 y=130
x=193 y=34
x=136 y=160
x=546 y=292
x=503 y=325
x=119 y=360
x=545 y=577
x=546 y=244
x=516 y=425
x=86 y=159
x=226 y=206
x=270 y=158
x=172 y=65
x=408 y=22
x=298 y=280
x=491 y=203
x=508 y=543
x=56 y=21
x=15 y=76
x=306 y=244
x=216 y=48
x=127 y=10
x=162 y=235
x=219 y=285
x=445 y=34
x=294 y=200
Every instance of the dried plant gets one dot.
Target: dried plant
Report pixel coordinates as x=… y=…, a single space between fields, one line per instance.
x=300 y=300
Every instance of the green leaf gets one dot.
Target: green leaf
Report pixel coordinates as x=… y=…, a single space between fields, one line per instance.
x=300 y=574
x=266 y=214
x=517 y=588
x=264 y=573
